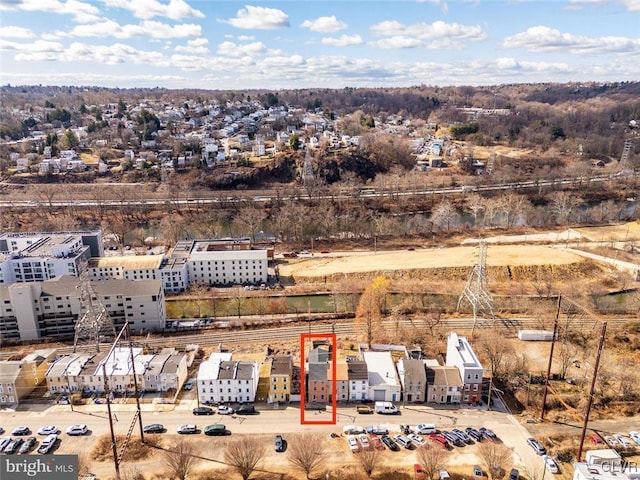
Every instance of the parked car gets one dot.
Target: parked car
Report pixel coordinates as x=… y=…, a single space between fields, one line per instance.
x=47 y=444
x=596 y=439
x=477 y=471
x=48 y=430
x=537 y=447
x=28 y=445
x=13 y=446
x=154 y=428
x=187 y=429
x=246 y=409
x=388 y=441
x=203 y=411
x=364 y=441
x=514 y=474
x=188 y=385
x=623 y=440
x=462 y=436
x=417 y=439
x=453 y=439
x=353 y=443
x=550 y=464
x=79 y=429
x=488 y=434
x=404 y=441
x=473 y=433
x=425 y=428
x=364 y=409
x=279 y=444
x=22 y=430
x=612 y=442
x=439 y=439
x=635 y=436
x=4 y=441
x=376 y=442
x=418 y=472
x=377 y=429
x=216 y=429
x=224 y=410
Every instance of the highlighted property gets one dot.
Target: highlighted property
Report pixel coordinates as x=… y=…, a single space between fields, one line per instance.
x=319 y=389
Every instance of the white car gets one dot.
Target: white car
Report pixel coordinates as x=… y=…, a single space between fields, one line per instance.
x=47 y=444
x=224 y=410
x=364 y=441
x=635 y=436
x=425 y=428
x=612 y=442
x=353 y=443
x=79 y=429
x=551 y=464
x=623 y=440
x=417 y=439
x=48 y=430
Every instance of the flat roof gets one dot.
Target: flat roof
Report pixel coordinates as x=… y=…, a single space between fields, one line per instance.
x=128 y=262
x=382 y=370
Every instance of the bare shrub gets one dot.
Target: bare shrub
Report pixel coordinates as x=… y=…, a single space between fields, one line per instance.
x=244 y=455
x=181 y=458
x=307 y=452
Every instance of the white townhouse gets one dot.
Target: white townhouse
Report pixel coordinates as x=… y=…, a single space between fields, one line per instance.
x=222 y=380
x=461 y=355
x=358 y=380
x=384 y=385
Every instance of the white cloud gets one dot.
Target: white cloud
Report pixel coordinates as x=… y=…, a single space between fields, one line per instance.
x=145 y=9
x=259 y=18
x=198 y=45
x=430 y=35
x=147 y=28
x=246 y=38
x=546 y=39
x=39 y=46
x=231 y=49
x=630 y=5
x=81 y=12
x=324 y=24
x=439 y=3
x=15 y=32
x=343 y=41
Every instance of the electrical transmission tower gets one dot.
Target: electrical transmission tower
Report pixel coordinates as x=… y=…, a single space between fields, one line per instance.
x=93 y=320
x=307 y=168
x=476 y=292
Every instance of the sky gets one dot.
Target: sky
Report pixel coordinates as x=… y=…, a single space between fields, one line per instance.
x=234 y=45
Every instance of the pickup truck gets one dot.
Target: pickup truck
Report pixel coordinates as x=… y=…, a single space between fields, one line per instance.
x=364 y=409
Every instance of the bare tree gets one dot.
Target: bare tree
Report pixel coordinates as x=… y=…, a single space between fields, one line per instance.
x=535 y=472
x=369 y=460
x=307 y=452
x=496 y=458
x=443 y=214
x=244 y=455
x=495 y=349
x=180 y=459
x=432 y=459
x=84 y=463
x=566 y=354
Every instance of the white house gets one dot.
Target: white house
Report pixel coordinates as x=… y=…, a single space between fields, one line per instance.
x=358 y=380
x=461 y=355
x=222 y=380
x=384 y=384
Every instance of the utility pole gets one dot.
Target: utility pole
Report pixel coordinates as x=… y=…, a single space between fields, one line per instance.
x=553 y=343
x=593 y=387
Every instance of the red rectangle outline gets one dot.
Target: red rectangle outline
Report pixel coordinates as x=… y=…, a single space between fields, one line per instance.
x=334 y=382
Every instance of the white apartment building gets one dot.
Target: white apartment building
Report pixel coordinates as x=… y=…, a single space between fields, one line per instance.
x=40 y=256
x=222 y=380
x=384 y=385
x=461 y=355
x=358 y=380
x=50 y=309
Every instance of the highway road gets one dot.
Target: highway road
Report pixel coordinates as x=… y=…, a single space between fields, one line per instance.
x=267 y=196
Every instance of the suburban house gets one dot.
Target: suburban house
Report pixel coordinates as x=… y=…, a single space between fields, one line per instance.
x=358 y=380
x=319 y=387
x=18 y=378
x=444 y=384
x=280 y=379
x=50 y=309
x=413 y=378
x=384 y=384
x=221 y=380
x=461 y=355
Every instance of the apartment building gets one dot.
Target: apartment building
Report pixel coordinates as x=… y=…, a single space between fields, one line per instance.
x=33 y=310
x=461 y=355
x=222 y=380
x=18 y=378
x=41 y=256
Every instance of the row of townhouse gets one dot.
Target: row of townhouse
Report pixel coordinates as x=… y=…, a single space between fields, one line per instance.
x=81 y=372
x=41 y=256
x=221 y=380
x=376 y=376
x=18 y=378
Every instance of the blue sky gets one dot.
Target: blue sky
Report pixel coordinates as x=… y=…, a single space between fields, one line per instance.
x=310 y=44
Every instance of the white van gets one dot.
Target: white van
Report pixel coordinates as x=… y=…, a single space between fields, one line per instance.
x=425 y=428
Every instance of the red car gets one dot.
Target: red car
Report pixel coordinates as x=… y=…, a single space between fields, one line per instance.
x=376 y=442
x=596 y=439
x=439 y=439
x=324 y=251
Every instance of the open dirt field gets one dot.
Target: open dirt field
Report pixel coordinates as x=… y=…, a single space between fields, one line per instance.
x=619 y=233
x=426 y=259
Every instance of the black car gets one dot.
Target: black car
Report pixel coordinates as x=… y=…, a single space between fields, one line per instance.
x=473 y=433
x=462 y=436
x=21 y=431
x=28 y=445
x=203 y=411
x=154 y=428
x=246 y=409
x=488 y=434
x=452 y=438
x=279 y=444
x=390 y=443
